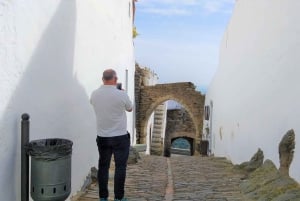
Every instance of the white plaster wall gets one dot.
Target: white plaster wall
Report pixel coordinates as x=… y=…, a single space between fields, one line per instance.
x=255 y=92
x=52 y=54
x=149 y=128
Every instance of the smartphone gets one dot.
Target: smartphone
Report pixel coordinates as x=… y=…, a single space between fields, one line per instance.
x=119 y=86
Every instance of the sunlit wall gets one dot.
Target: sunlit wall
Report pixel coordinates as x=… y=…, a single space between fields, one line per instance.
x=255 y=95
x=52 y=54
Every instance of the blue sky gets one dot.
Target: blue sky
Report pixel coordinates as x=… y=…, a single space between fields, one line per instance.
x=180 y=39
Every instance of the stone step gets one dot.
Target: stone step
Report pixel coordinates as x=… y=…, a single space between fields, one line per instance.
x=156 y=141
x=155 y=153
x=158 y=122
x=160 y=107
x=158 y=127
x=159 y=110
x=181 y=151
x=156 y=133
x=156 y=146
x=159 y=116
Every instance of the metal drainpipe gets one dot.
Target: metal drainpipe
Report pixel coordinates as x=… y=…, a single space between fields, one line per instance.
x=126 y=80
x=133 y=109
x=211 y=141
x=24 y=158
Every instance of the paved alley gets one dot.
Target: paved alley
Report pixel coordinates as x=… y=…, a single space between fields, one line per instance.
x=178 y=178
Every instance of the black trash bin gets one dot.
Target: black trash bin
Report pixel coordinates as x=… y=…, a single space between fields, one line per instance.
x=50 y=169
x=204 y=147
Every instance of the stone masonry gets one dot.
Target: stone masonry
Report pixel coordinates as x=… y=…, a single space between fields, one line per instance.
x=179 y=125
x=150 y=97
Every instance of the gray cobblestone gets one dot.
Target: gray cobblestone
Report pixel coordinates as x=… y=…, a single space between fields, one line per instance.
x=194 y=178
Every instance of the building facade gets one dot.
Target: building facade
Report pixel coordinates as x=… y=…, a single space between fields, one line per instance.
x=52 y=55
x=254 y=98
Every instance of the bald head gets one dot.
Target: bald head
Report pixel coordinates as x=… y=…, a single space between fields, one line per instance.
x=109 y=77
x=109 y=74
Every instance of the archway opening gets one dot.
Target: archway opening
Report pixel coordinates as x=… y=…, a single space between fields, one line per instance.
x=169 y=120
x=182 y=146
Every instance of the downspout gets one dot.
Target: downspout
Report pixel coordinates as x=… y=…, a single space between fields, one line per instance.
x=211 y=143
x=126 y=80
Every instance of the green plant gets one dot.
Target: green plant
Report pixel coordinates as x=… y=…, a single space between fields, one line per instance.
x=134 y=32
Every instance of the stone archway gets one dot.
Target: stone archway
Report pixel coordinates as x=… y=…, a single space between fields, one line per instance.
x=184 y=93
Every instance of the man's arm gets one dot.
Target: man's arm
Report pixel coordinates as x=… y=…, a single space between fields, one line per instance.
x=128 y=105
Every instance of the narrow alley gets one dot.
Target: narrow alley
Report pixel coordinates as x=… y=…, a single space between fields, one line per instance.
x=178 y=178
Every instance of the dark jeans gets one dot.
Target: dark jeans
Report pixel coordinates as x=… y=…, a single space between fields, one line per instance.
x=119 y=146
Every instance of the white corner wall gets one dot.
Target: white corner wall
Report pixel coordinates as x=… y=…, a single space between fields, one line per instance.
x=52 y=54
x=255 y=92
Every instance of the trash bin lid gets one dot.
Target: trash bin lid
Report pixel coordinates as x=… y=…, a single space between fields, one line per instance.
x=49 y=149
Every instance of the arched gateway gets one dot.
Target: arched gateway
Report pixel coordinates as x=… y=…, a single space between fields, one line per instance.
x=184 y=93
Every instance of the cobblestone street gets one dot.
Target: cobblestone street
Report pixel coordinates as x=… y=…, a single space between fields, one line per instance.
x=178 y=178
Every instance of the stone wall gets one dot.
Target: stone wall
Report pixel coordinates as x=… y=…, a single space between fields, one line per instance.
x=150 y=97
x=263 y=181
x=179 y=124
x=140 y=77
x=179 y=121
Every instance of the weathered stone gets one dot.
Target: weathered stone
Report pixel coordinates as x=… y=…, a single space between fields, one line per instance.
x=255 y=162
x=94 y=174
x=290 y=195
x=260 y=177
x=179 y=125
x=140 y=147
x=133 y=156
x=266 y=183
x=149 y=97
x=286 y=151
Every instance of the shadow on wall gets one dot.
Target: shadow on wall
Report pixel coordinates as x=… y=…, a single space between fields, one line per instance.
x=57 y=103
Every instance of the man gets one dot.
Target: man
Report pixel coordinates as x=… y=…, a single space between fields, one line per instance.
x=110 y=105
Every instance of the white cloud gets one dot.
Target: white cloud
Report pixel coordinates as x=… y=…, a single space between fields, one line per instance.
x=167 y=7
x=217 y=6
x=184 y=7
x=169 y=2
x=166 y=11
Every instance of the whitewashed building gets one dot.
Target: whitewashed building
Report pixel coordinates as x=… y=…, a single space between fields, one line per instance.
x=254 y=97
x=52 y=55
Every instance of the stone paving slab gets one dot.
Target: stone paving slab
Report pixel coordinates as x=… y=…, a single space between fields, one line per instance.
x=205 y=178
x=193 y=178
x=147 y=180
